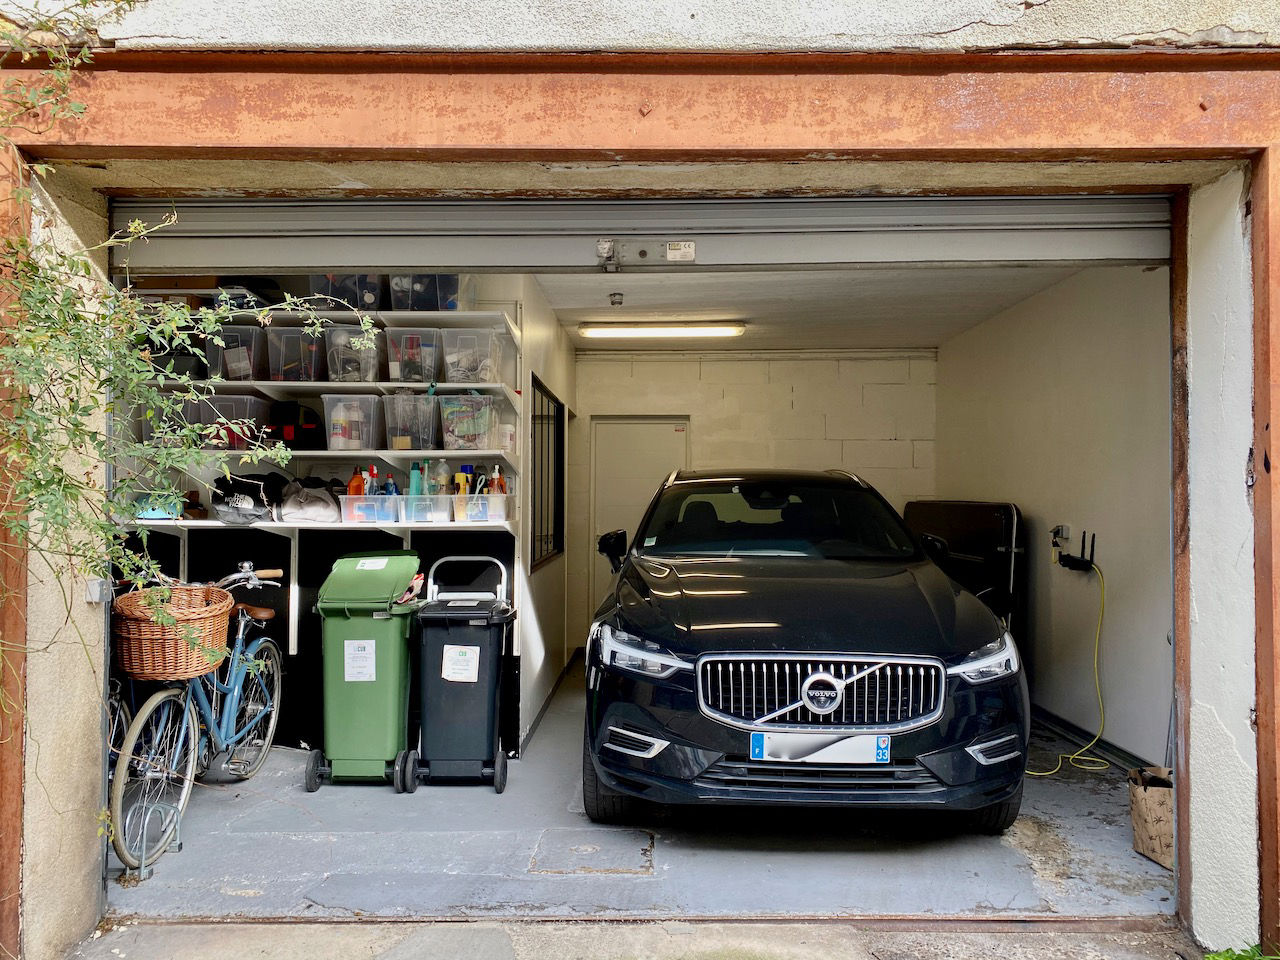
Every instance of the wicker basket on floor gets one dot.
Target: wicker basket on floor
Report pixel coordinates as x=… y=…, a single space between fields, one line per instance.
x=188 y=648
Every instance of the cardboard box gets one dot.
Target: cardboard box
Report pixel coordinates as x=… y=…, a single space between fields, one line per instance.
x=1151 y=810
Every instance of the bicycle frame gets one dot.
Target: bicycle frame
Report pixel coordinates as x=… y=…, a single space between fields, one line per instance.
x=219 y=728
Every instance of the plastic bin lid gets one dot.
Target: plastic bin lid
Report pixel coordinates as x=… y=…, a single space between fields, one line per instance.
x=494 y=611
x=369 y=582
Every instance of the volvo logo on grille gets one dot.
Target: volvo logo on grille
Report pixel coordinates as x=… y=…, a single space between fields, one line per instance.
x=822 y=693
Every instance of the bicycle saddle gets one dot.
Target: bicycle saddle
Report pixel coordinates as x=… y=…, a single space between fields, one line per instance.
x=256 y=613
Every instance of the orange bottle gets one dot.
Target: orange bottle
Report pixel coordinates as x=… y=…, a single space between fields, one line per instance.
x=355 y=486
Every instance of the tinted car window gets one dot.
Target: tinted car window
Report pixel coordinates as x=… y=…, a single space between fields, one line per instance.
x=783 y=518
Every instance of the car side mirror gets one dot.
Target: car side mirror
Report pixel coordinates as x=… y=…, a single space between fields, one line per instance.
x=935 y=548
x=614 y=546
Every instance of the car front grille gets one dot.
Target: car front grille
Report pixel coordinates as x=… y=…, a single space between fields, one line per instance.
x=880 y=693
x=811 y=777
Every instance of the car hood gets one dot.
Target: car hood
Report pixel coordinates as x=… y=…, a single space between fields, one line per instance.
x=768 y=604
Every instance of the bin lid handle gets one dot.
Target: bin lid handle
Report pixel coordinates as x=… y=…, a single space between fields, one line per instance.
x=433 y=588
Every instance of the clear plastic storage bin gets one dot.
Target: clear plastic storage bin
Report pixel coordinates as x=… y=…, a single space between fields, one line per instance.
x=477 y=423
x=362 y=290
x=242 y=355
x=479 y=507
x=413 y=355
x=295 y=355
x=353 y=421
x=377 y=509
x=432 y=291
x=350 y=363
x=411 y=421
x=478 y=356
x=428 y=509
x=234 y=408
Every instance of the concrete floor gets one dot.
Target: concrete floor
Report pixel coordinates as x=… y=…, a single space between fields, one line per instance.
x=483 y=940
x=267 y=849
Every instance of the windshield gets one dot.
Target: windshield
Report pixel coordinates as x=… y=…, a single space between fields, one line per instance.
x=800 y=518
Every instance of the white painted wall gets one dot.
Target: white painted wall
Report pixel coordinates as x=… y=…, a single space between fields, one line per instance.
x=540 y=596
x=1061 y=405
x=1223 y=746
x=871 y=412
x=712 y=25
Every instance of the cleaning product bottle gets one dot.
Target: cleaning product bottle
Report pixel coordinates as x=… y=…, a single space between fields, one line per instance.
x=355 y=486
x=373 y=486
x=497 y=482
x=441 y=478
x=415 y=479
x=390 y=488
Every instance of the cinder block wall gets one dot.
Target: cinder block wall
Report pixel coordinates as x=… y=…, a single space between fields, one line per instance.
x=871 y=412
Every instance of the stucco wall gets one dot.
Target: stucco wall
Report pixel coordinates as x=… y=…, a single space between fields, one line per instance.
x=63 y=789
x=1223 y=745
x=871 y=412
x=1077 y=433
x=693 y=25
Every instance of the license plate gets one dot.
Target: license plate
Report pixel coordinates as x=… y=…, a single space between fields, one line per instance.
x=820 y=748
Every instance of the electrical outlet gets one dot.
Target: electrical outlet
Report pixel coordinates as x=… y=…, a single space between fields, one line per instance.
x=97 y=590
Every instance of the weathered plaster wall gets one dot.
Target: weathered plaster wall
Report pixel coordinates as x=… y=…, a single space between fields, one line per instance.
x=1223 y=745
x=63 y=789
x=693 y=25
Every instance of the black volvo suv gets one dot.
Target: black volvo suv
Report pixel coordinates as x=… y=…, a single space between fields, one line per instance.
x=780 y=637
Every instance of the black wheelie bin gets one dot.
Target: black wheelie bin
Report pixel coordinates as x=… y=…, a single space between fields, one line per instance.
x=464 y=633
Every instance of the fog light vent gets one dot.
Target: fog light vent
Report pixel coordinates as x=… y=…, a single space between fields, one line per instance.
x=635 y=744
x=995 y=751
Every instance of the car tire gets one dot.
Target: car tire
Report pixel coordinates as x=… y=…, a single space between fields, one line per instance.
x=602 y=805
x=998 y=817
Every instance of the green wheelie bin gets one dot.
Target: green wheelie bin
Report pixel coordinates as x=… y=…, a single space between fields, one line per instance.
x=365 y=635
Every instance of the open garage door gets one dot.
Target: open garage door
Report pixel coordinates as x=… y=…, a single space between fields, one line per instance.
x=272 y=236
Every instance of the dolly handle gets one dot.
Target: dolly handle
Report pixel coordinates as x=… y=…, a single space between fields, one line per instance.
x=433 y=588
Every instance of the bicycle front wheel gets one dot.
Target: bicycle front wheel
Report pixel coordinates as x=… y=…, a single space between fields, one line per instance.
x=153 y=777
x=259 y=710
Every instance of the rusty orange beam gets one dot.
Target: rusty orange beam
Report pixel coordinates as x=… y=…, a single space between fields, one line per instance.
x=315 y=105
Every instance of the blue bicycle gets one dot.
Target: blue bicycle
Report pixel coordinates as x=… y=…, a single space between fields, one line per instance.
x=178 y=732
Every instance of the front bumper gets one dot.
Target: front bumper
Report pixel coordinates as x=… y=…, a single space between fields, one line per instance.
x=707 y=761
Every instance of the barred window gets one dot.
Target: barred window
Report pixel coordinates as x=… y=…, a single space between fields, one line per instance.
x=546 y=476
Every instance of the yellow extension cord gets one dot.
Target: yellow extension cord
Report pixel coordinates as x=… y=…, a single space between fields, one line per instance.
x=1082 y=759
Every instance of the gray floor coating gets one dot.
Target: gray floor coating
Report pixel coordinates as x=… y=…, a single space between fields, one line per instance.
x=266 y=848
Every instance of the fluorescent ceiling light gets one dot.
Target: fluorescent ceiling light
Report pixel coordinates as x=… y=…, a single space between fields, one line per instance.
x=661 y=331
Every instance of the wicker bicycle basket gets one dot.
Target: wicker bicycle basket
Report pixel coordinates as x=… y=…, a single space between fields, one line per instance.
x=189 y=647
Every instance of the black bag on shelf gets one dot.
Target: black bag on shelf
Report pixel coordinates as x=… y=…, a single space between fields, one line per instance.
x=296 y=426
x=246 y=499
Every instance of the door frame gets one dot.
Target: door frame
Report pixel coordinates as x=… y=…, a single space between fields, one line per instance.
x=592 y=587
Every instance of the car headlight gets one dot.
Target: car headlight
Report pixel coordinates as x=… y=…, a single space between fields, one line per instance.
x=623 y=651
x=999 y=658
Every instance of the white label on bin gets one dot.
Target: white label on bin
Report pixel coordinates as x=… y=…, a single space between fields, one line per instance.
x=460 y=664
x=372 y=563
x=237 y=363
x=681 y=250
x=359 y=662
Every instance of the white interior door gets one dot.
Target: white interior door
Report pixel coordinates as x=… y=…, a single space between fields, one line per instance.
x=629 y=459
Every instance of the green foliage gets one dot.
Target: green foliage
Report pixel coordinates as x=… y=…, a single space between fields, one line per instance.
x=80 y=360
x=1252 y=953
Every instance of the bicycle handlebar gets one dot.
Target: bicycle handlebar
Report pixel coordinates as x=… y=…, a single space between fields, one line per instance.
x=274 y=574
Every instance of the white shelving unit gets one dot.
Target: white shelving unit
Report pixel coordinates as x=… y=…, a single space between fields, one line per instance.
x=401 y=459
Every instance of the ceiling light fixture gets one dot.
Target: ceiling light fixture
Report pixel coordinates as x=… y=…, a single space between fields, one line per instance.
x=659 y=331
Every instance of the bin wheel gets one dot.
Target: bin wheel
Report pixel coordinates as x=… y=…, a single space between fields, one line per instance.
x=409 y=775
x=500 y=772
x=315 y=771
x=397 y=771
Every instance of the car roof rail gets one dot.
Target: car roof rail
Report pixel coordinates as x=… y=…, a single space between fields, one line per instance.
x=852 y=476
x=671 y=478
